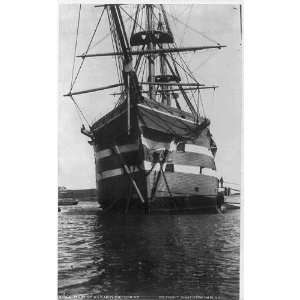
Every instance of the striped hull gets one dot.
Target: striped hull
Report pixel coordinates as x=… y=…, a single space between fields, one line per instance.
x=172 y=168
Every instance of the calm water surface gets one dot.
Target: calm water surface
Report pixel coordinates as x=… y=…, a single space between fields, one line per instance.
x=195 y=254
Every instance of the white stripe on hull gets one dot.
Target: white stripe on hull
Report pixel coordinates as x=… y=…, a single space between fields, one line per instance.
x=157 y=146
x=151 y=145
x=115 y=172
x=147 y=165
x=182 y=169
x=198 y=149
x=186 y=169
x=123 y=149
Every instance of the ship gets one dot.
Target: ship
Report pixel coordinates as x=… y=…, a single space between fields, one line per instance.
x=154 y=152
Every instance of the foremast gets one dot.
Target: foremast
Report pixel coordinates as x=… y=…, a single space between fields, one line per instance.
x=129 y=76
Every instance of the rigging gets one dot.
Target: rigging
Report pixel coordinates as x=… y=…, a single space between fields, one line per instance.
x=75 y=48
x=79 y=69
x=123 y=57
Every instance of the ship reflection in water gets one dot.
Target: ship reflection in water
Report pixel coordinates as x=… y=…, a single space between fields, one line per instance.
x=147 y=255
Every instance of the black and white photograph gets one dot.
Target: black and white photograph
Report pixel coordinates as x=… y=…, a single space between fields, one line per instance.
x=150 y=187
x=149 y=150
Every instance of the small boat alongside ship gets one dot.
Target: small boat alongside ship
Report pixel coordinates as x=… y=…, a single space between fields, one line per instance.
x=154 y=151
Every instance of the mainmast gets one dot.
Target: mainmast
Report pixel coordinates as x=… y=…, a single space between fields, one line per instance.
x=151 y=47
x=153 y=36
x=163 y=68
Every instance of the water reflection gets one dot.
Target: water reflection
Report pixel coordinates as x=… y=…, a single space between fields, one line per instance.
x=148 y=255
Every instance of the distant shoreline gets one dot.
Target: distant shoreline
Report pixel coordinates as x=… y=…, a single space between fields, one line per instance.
x=84 y=194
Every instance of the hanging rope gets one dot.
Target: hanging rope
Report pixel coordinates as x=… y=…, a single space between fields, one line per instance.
x=100 y=41
x=80 y=113
x=87 y=50
x=198 y=98
x=171 y=15
x=185 y=66
x=75 y=48
x=201 y=100
x=185 y=26
x=144 y=68
x=104 y=37
x=212 y=54
x=193 y=29
x=133 y=20
x=180 y=66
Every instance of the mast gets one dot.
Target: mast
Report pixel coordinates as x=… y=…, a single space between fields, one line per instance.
x=152 y=36
x=163 y=69
x=150 y=46
x=122 y=37
x=128 y=73
x=151 y=39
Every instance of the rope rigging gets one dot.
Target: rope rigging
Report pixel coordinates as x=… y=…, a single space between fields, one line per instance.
x=192 y=94
x=135 y=22
x=187 y=70
x=185 y=67
x=212 y=54
x=193 y=29
x=73 y=80
x=79 y=111
x=103 y=38
x=201 y=100
x=141 y=61
x=81 y=114
x=87 y=50
x=175 y=25
x=75 y=48
x=185 y=26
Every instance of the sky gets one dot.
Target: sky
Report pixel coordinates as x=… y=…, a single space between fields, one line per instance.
x=223 y=68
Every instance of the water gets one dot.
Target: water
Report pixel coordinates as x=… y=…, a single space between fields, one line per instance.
x=147 y=255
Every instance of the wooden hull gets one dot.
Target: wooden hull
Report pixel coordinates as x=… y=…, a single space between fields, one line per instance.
x=168 y=156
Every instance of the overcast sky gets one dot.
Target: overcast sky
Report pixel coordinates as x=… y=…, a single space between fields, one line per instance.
x=220 y=23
